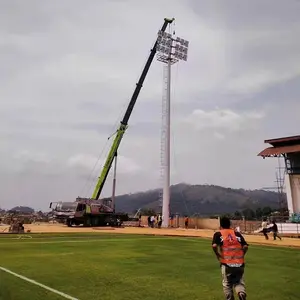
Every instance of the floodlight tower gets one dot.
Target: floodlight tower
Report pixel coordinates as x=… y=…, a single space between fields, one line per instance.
x=170 y=50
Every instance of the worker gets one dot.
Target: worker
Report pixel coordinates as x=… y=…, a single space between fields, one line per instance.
x=237 y=229
x=152 y=221
x=186 y=222
x=230 y=248
x=275 y=230
x=264 y=226
x=159 y=221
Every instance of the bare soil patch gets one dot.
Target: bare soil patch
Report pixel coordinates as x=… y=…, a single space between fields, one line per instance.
x=60 y=228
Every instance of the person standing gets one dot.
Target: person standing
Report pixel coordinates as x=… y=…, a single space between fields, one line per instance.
x=186 y=222
x=159 y=221
x=264 y=226
x=230 y=248
x=275 y=231
x=152 y=221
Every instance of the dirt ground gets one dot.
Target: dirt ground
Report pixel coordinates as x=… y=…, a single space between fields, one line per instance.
x=60 y=228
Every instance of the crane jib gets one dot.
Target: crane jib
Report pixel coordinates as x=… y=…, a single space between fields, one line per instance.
x=120 y=133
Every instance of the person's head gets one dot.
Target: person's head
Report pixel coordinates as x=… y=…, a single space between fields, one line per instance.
x=273 y=222
x=225 y=223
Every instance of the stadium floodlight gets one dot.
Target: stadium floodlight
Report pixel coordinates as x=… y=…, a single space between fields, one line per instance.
x=171 y=49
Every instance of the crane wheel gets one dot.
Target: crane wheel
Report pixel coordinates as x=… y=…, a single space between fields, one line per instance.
x=69 y=223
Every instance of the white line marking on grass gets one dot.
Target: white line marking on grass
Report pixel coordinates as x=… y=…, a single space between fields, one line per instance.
x=22 y=237
x=39 y=284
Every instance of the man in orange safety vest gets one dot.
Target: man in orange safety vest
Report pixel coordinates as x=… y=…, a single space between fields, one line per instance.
x=230 y=248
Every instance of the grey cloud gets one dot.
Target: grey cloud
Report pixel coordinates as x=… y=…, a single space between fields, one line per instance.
x=258 y=35
x=282 y=95
x=237 y=15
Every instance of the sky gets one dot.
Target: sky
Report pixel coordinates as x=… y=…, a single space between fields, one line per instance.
x=69 y=68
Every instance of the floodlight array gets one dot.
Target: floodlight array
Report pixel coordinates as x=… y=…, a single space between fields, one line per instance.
x=181 y=49
x=167 y=50
x=164 y=43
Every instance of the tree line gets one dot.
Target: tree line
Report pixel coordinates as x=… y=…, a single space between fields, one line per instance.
x=247 y=213
x=258 y=213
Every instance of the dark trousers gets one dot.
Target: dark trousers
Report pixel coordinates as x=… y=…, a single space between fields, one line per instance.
x=275 y=235
x=265 y=233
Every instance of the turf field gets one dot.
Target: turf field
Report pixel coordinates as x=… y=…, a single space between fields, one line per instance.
x=108 y=266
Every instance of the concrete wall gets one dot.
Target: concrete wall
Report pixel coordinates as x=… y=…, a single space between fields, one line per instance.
x=289 y=196
x=198 y=223
x=213 y=224
x=295 y=185
x=292 y=182
x=289 y=228
x=206 y=223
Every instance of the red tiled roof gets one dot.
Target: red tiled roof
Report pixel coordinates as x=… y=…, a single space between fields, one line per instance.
x=276 y=151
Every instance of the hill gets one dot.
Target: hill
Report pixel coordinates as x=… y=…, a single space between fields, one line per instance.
x=200 y=199
x=22 y=209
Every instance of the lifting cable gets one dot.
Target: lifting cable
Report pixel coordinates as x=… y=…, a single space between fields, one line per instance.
x=123 y=111
x=89 y=182
x=92 y=179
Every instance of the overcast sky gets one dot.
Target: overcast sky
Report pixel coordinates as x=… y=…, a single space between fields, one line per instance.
x=69 y=68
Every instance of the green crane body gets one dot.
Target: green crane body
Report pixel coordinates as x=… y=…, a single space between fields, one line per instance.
x=123 y=124
x=109 y=160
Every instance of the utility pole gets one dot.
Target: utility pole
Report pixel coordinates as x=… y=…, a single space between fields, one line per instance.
x=170 y=50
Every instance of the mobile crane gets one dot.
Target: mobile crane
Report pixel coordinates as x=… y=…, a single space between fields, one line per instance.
x=93 y=211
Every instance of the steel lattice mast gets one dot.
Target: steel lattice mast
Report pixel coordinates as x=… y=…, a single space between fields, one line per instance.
x=170 y=50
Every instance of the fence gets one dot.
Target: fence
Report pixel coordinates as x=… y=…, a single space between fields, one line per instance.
x=245 y=226
x=207 y=223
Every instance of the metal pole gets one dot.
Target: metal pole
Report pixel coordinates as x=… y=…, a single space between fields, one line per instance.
x=170 y=50
x=114 y=184
x=166 y=190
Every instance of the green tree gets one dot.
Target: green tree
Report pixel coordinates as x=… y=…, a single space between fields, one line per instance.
x=147 y=212
x=266 y=211
x=237 y=215
x=249 y=214
x=259 y=213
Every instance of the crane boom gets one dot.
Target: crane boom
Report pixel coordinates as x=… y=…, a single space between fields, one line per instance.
x=123 y=124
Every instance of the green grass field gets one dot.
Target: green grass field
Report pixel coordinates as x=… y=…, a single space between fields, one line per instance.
x=110 y=267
